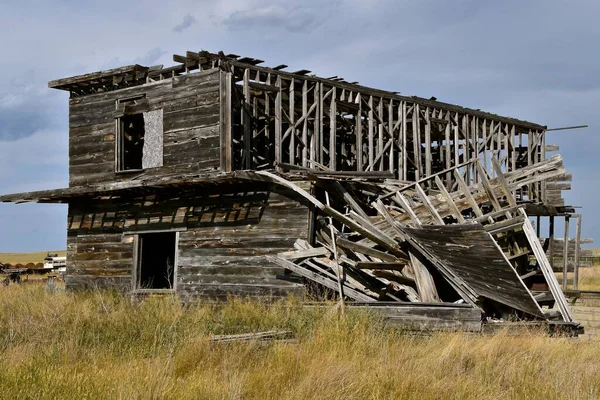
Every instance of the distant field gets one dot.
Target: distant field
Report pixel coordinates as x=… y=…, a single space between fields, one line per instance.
x=24 y=258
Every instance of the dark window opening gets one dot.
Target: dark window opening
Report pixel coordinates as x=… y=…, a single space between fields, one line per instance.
x=132 y=141
x=139 y=135
x=156 y=260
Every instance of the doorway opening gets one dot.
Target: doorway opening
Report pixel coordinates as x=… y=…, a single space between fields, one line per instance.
x=156 y=260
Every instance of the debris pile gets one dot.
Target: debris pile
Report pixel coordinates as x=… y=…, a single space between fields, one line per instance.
x=436 y=240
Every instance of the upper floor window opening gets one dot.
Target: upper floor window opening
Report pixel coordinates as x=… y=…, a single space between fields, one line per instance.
x=139 y=135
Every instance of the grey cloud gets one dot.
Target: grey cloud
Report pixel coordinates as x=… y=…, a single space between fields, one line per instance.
x=295 y=19
x=188 y=21
x=24 y=115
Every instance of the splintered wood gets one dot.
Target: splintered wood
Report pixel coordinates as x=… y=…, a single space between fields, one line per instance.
x=429 y=241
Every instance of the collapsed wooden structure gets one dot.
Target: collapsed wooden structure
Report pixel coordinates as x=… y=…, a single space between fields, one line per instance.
x=220 y=177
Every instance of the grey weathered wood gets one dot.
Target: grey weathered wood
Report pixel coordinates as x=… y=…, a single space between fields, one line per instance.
x=577 y=249
x=425 y=284
x=546 y=269
x=565 y=281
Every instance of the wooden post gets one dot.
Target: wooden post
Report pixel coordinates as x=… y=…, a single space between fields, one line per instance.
x=359 y=138
x=292 y=113
x=339 y=271
x=225 y=135
x=332 y=131
x=278 y=149
x=305 y=124
x=404 y=146
x=551 y=243
x=247 y=122
x=576 y=261
x=565 y=254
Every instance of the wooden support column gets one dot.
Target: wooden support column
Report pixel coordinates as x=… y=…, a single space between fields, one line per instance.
x=416 y=141
x=358 y=133
x=371 y=132
x=317 y=142
x=278 y=148
x=448 y=151
x=456 y=140
x=380 y=133
x=247 y=122
x=565 y=255
x=332 y=130
x=267 y=134
x=404 y=149
x=576 y=260
x=391 y=132
x=551 y=243
x=427 y=142
x=305 y=124
x=225 y=135
x=292 y=114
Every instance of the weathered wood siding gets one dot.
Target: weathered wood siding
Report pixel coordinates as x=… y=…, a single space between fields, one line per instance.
x=224 y=236
x=191 y=110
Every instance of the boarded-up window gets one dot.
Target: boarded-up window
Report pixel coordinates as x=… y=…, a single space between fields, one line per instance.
x=140 y=135
x=152 y=153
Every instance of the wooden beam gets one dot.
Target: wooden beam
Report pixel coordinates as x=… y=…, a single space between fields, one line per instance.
x=425 y=284
x=467 y=192
x=565 y=255
x=449 y=201
x=577 y=248
x=435 y=215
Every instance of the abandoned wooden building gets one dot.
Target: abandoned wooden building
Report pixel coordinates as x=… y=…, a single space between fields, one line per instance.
x=218 y=177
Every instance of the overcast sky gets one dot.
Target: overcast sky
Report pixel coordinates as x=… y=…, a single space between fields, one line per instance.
x=535 y=60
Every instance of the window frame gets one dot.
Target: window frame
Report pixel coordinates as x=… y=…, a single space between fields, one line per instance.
x=119 y=144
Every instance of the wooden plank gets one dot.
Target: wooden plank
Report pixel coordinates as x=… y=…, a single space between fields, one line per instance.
x=401 y=200
x=371 y=128
x=358 y=135
x=565 y=255
x=349 y=199
x=292 y=118
x=278 y=122
x=546 y=269
x=425 y=284
x=247 y=122
x=428 y=205
x=487 y=187
x=455 y=211
x=299 y=254
x=333 y=131
x=577 y=249
x=327 y=282
x=500 y=177
x=467 y=193
x=369 y=251
x=396 y=266
x=305 y=123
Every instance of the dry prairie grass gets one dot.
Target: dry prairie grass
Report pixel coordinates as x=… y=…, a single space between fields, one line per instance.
x=100 y=345
x=589 y=278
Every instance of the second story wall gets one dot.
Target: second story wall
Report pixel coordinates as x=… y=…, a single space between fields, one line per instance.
x=178 y=118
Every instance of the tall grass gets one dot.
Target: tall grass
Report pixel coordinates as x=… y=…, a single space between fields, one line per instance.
x=100 y=345
x=589 y=278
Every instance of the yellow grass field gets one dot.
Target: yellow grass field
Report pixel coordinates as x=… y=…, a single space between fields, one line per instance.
x=24 y=258
x=58 y=345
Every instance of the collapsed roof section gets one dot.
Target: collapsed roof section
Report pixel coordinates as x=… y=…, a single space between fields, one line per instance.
x=422 y=242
